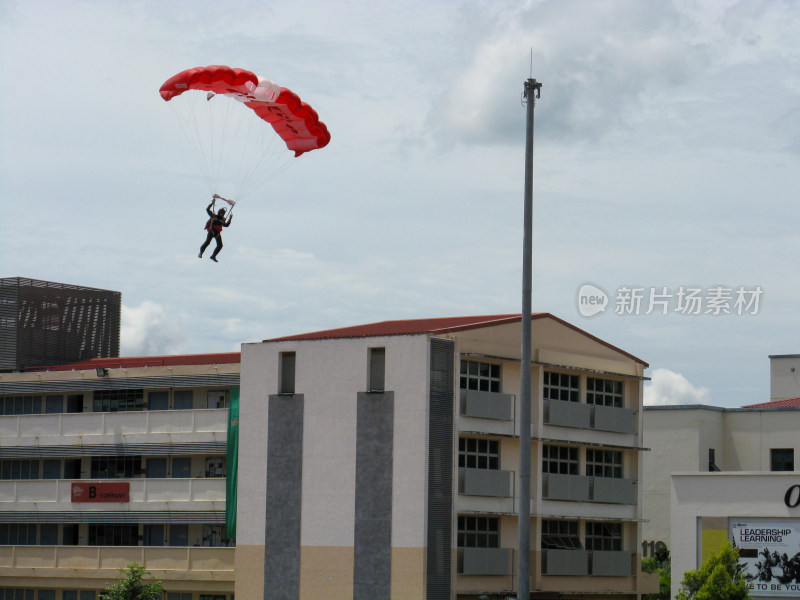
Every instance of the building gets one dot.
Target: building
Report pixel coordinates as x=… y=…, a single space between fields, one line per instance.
x=47 y=323
x=381 y=461
x=784 y=376
x=715 y=474
x=114 y=460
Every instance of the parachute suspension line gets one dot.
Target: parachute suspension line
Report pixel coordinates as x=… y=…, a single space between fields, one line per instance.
x=272 y=158
x=186 y=116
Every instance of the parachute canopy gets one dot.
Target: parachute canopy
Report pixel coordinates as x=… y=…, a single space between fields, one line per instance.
x=293 y=120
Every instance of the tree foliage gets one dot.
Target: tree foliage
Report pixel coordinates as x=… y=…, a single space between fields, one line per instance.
x=131 y=586
x=721 y=577
x=662 y=564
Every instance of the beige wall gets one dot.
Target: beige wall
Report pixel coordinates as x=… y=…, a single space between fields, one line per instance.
x=680 y=436
x=784 y=377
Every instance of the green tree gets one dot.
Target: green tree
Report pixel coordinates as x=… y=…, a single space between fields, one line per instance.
x=719 y=578
x=132 y=587
x=662 y=564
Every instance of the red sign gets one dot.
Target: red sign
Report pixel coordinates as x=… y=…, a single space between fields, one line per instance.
x=101 y=492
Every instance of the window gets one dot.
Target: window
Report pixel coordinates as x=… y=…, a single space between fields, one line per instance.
x=782 y=459
x=474 y=453
x=84 y=595
x=377 y=370
x=19 y=469
x=560 y=460
x=118 y=400
x=101 y=534
x=17 y=594
x=20 y=405
x=17 y=534
x=481 y=376
x=179 y=596
x=561 y=386
x=603 y=536
x=604 y=392
x=286 y=368
x=478 y=532
x=560 y=535
x=603 y=463
x=115 y=467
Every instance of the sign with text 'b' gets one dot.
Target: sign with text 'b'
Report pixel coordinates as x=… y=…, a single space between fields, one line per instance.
x=101 y=492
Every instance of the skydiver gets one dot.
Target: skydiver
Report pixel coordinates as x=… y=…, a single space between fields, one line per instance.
x=214 y=227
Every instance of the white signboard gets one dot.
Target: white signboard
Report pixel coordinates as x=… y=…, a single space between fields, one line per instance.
x=770 y=554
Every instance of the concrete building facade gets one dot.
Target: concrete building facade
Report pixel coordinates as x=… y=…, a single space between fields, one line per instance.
x=382 y=461
x=720 y=474
x=112 y=461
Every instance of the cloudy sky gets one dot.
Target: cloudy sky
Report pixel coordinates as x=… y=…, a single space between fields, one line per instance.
x=667 y=168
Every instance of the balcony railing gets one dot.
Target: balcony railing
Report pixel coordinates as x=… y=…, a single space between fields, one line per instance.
x=486 y=482
x=487 y=405
x=56 y=494
x=71 y=428
x=164 y=563
x=601 y=563
x=588 y=416
x=579 y=488
x=485 y=561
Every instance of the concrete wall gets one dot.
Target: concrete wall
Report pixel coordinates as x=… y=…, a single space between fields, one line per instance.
x=784 y=377
x=331 y=376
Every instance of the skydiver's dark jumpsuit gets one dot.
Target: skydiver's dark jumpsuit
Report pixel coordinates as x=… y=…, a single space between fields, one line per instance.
x=214 y=227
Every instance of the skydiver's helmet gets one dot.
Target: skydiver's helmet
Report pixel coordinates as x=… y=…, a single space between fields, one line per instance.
x=221 y=213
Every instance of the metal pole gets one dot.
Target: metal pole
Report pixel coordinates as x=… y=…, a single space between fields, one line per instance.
x=532 y=91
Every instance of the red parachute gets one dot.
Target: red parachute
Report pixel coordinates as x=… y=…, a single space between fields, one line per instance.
x=293 y=120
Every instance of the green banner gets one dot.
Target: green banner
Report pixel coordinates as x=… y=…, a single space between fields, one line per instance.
x=232 y=471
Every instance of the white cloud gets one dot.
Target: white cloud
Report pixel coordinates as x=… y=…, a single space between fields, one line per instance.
x=147 y=330
x=667 y=387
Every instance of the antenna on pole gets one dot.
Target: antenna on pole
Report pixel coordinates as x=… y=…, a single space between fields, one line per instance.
x=531 y=73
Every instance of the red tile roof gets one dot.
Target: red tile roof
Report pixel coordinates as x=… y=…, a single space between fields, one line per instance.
x=130 y=362
x=434 y=326
x=788 y=403
x=403 y=327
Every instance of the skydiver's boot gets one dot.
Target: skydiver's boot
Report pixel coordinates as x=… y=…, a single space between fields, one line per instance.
x=214 y=259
